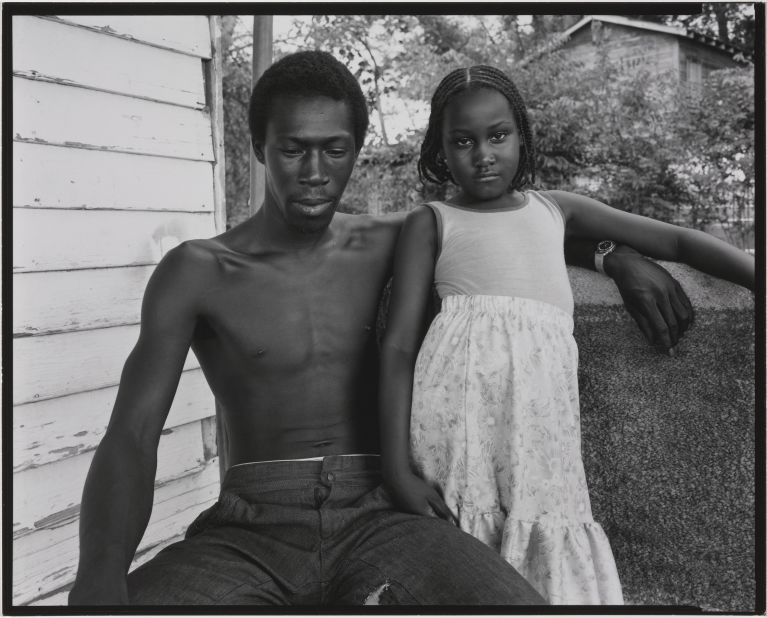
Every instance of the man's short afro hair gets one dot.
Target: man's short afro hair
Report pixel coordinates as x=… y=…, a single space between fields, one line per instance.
x=307 y=73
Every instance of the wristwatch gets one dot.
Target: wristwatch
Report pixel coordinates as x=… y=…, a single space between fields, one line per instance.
x=605 y=247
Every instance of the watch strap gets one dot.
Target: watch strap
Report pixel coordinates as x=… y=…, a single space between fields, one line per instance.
x=604 y=248
x=599 y=262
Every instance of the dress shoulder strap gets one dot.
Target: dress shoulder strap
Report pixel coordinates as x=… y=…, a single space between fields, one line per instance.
x=550 y=203
x=434 y=206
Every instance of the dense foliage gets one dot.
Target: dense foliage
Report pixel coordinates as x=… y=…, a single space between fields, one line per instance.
x=236 y=86
x=716 y=132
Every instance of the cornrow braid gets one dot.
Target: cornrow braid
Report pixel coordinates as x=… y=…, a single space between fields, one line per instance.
x=432 y=166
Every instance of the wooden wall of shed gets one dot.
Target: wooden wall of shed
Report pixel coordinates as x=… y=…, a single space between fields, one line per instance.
x=631 y=48
x=705 y=54
x=116 y=138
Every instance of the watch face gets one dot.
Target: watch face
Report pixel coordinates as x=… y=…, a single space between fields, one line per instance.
x=605 y=246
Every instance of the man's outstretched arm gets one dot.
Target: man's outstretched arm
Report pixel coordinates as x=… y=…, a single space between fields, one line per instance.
x=650 y=294
x=119 y=488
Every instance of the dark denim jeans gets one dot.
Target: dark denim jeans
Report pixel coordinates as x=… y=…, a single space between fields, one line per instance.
x=323 y=533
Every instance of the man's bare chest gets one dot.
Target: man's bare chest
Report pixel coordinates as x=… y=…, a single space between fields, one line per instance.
x=287 y=313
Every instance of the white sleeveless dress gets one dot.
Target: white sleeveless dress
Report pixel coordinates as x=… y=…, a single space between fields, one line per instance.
x=495 y=419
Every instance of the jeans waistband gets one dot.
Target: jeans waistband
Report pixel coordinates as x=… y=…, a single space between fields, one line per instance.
x=339 y=467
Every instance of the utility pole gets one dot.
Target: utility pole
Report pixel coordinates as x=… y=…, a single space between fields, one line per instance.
x=262 y=59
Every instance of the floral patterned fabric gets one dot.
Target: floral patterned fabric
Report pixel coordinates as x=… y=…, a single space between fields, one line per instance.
x=496 y=425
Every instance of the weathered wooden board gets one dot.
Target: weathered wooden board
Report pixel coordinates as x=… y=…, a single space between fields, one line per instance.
x=30 y=541
x=46 y=560
x=214 y=77
x=54 y=599
x=45 y=239
x=184 y=33
x=66 y=116
x=49 y=495
x=50 y=302
x=54 y=429
x=54 y=365
x=704 y=54
x=59 y=177
x=76 y=56
x=61 y=596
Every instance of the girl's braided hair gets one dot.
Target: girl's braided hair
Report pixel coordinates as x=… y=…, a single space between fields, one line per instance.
x=432 y=166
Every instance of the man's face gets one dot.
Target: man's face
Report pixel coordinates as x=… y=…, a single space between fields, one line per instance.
x=309 y=153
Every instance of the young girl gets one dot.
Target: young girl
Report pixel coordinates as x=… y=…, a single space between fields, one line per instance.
x=488 y=412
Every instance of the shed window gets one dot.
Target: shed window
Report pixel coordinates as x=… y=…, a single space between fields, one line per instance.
x=694 y=71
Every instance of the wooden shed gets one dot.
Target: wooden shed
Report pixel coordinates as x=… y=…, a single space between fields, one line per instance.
x=117 y=157
x=657 y=48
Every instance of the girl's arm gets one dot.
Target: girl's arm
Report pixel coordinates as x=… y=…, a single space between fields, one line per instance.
x=590 y=218
x=411 y=293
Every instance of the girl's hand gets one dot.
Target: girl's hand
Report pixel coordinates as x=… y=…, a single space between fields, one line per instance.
x=414 y=495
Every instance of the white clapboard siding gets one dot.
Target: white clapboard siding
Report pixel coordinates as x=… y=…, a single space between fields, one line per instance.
x=98 y=239
x=55 y=365
x=58 y=177
x=45 y=496
x=114 y=164
x=86 y=58
x=50 y=430
x=36 y=541
x=185 y=33
x=51 y=302
x=61 y=596
x=50 y=600
x=46 y=560
x=55 y=114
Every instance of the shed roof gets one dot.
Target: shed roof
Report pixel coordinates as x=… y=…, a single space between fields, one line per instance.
x=680 y=31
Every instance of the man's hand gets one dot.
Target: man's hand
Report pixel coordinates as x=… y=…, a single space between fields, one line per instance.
x=652 y=297
x=99 y=590
x=414 y=495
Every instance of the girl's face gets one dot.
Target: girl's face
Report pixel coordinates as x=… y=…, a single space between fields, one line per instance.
x=480 y=142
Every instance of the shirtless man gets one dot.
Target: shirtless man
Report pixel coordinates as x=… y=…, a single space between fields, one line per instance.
x=280 y=312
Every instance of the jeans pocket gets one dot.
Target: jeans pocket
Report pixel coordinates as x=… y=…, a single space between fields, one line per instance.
x=229 y=510
x=201 y=521
x=220 y=512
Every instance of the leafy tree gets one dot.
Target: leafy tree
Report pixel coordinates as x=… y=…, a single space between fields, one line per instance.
x=603 y=132
x=369 y=46
x=732 y=23
x=715 y=132
x=236 y=52
x=385 y=179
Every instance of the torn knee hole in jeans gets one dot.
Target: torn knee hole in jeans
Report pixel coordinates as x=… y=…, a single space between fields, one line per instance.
x=379 y=596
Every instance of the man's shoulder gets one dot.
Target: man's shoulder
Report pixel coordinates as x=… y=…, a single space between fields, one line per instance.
x=376 y=233
x=198 y=252
x=389 y=222
x=191 y=263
